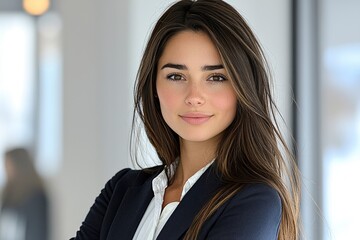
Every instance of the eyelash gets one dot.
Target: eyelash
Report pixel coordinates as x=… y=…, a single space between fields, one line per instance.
x=217 y=75
x=172 y=77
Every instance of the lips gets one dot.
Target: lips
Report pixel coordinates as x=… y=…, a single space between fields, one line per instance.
x=195 y=118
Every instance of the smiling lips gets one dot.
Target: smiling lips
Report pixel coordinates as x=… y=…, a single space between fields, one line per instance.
x=195 y=118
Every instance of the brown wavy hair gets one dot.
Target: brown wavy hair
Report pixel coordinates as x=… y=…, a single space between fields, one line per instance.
x=252 y=149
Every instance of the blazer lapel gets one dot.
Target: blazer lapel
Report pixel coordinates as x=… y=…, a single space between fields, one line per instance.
x=130 y=211
x=190 y=205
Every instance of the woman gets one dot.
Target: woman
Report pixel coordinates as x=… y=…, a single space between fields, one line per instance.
x=203 y=95
x=24 y=204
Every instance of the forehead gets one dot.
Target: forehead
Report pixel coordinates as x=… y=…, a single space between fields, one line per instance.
x=190 y=47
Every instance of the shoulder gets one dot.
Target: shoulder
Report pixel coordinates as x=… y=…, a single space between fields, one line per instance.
x=131 y=177
x=258 y=198
x=254 y=212
x=258 y=206
x=260 y=191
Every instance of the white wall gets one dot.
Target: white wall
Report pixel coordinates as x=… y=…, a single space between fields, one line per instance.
x=102 y=43
x=96 y=106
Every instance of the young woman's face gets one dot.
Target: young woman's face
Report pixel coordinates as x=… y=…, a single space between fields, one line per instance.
x=196 y=97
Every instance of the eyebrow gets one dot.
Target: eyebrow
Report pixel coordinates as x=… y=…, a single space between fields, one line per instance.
x=212 y=67
x=184 y=67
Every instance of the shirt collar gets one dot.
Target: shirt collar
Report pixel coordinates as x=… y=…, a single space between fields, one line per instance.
x=160 y=182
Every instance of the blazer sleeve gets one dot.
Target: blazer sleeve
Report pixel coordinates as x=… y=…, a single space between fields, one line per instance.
x=252 y=214
x=91 y=226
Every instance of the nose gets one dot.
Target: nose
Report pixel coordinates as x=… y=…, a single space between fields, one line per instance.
x=194 y=97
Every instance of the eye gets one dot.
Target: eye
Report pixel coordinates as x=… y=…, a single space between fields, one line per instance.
x=175 y=77
x=216 y=77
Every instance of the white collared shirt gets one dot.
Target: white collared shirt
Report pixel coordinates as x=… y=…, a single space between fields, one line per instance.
x=154 y=219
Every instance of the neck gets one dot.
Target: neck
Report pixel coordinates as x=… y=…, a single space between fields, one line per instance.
x=193 y=157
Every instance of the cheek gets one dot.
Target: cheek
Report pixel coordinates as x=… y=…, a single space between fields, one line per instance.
x=226 y=101
x=168 y=99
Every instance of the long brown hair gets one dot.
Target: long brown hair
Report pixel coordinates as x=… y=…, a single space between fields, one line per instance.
x=252 y=149
x=25 y=180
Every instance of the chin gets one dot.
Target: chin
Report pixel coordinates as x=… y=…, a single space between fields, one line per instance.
x=197 y=138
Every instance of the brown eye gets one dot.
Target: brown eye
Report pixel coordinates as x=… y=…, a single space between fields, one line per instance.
x=217 y=78
x=175 y=77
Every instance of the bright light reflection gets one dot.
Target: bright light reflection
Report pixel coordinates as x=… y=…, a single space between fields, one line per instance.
x=16 y=81
x=342 y=141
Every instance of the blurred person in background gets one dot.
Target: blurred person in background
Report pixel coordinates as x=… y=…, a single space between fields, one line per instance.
x=24 y=204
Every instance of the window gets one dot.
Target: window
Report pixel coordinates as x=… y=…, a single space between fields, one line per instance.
x=49 y=147
x=328 y=80
x=17 y=82
x=340 y=117
x=30 y=87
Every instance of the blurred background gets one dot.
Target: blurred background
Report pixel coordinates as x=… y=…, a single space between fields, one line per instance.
x=67 y=70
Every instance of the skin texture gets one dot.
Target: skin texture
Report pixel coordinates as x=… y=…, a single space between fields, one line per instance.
x=197 y=100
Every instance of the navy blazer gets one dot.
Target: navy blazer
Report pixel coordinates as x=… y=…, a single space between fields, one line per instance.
x=254 y=213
